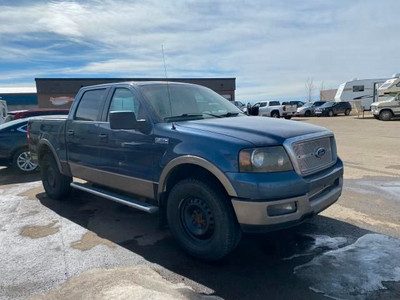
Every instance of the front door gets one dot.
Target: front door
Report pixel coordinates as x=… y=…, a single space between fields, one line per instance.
x=128 y=154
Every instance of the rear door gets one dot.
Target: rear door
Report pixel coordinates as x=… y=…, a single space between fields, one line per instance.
x=83 y=135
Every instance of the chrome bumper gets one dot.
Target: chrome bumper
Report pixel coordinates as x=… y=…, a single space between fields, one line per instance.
x=256 y=213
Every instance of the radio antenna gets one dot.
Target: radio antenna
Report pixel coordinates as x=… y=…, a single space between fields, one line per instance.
x=166 y=77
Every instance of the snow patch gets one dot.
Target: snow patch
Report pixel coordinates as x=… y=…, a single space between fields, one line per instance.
x=353 y=271
x=390 y=188
x=320 y=241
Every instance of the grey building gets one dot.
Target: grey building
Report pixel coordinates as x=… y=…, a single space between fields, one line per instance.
x=60 y=92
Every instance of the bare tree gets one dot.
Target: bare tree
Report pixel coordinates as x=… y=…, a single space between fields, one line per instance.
x=309 y=89
x=320 y=91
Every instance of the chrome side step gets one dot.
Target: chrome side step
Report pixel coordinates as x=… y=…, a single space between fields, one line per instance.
x=115 y=197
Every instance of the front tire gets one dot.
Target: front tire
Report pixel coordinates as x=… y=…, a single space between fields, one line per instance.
x=330 y=113
x=307 y=113
x=385 y=115
x=56 y=185
x=202 y=220
x=22 y=161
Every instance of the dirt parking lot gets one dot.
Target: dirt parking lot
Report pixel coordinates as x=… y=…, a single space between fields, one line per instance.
x=88 y=247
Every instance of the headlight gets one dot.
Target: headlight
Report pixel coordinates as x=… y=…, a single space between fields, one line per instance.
x=269 y=159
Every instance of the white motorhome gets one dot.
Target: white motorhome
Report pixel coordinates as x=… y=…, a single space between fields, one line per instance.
x=3 y=111
x=363 y=90
x=391 y=87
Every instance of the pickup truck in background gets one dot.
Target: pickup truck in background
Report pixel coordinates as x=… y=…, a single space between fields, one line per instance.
x=273 y=109
x=183 y=151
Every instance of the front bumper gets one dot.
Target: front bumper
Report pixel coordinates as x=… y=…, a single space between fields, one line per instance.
x=310 y=195
x=375 y=111
x=287 y=114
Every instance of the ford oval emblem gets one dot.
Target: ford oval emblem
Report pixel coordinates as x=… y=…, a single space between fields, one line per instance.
x=320 y=152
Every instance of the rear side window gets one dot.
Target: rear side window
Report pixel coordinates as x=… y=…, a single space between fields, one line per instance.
x=274 y=103
x=90 y=105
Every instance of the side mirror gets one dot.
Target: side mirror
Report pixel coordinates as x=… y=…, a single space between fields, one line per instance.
x=124 y=120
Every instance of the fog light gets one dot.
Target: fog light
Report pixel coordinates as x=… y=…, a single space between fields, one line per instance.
x=281 y=209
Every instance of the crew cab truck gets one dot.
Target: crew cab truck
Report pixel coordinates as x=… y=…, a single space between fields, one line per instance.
x=273 y=109
x=183 y=151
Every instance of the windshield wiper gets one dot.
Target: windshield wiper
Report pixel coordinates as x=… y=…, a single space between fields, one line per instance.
x=229 y=114
x=192 y=115
x=171 y=118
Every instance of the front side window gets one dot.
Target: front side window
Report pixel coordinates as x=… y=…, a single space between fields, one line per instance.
x=124 y=100
x=90 y=105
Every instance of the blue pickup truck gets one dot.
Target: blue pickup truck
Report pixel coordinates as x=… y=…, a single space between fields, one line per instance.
x=182 y=151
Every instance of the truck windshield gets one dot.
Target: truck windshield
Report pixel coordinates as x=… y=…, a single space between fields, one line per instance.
x=176 y=102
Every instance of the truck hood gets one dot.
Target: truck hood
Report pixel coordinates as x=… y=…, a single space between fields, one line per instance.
x=260 y=131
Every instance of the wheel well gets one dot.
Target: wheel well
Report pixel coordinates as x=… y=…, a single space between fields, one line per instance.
x=386 y=109
x=43 y=150
x=275 y=110
x=185 y=171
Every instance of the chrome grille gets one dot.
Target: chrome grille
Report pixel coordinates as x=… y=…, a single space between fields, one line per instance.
x=314 y=155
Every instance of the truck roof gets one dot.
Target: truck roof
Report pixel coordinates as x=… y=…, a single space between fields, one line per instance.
x=137 y=83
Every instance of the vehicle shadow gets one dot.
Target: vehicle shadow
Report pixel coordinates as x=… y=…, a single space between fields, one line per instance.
x=10 y=176
x=260 y=267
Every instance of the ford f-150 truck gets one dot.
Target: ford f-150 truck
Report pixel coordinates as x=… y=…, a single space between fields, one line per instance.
x=183 y=151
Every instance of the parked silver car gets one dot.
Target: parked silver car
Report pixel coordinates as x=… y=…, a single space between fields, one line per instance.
x=308 y=108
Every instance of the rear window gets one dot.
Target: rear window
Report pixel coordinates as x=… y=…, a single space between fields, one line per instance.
x=90 y=105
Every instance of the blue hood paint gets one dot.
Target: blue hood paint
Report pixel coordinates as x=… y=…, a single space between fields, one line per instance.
x=259 y=131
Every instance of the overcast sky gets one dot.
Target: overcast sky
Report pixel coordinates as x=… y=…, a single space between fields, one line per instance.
x=271 y=47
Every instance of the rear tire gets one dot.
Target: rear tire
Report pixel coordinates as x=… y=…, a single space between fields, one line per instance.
x=202 y=220
x=22 y=161
x=56 y=185
x=288 y=117
x=385 y=115
x=347 y=112
x=275 y=114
